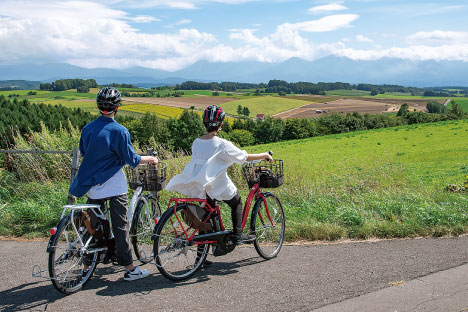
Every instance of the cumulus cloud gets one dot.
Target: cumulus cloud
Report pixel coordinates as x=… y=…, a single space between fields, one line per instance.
x=327 y=8
x=91 y=34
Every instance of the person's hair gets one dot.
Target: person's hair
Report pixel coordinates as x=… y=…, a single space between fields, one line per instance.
x=212 y=128
x=213 y=117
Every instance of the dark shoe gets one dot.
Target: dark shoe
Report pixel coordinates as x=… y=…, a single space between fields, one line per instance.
x=241 y=238
x=207 y=263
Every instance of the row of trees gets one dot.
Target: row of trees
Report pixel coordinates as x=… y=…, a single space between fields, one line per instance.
x=80 y=85
x=22 y=116
x=222 y=86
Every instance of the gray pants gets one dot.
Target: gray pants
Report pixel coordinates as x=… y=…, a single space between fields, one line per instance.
x=118 y=209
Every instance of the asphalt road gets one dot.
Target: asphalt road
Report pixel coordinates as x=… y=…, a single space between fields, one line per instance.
x=301 y=278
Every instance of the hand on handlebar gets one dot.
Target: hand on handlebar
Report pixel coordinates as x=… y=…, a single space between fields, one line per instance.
x=153 y=161
x=268 y=157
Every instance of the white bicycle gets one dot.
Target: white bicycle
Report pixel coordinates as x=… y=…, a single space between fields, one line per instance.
x=75 y=243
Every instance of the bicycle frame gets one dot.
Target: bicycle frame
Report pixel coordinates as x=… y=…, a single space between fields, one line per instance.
x=254 y=193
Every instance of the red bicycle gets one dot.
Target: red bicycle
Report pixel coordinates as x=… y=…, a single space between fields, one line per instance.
x=184 y=233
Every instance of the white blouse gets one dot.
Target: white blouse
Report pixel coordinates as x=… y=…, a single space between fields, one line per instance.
x=207 y=172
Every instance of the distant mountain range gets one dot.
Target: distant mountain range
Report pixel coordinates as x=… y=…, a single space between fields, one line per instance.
x=328 y=69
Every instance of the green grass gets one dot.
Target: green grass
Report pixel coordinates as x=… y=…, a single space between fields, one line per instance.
x=382 y=183
x=267 y=105
x=463 y=102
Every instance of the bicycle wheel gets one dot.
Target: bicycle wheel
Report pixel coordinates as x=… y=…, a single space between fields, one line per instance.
x=142 y=228
x=176 y=258
x=268 y=224
x=66 y=258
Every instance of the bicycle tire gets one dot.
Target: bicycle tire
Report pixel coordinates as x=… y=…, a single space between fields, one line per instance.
x=268 y=225
x=66 y=257
x=175 y=258
x=143 y=226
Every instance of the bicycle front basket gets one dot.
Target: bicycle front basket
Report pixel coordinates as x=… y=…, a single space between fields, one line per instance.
x=149 y=177
x=268 y=175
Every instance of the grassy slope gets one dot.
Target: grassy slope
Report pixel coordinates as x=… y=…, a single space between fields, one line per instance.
x=385 y=183
x=267 y=105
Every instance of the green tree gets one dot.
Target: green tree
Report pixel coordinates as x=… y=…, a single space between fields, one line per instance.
x=239 y=110
x=268 y=130
x=185 y=130
x=403 y=111
x=374 y=92
x=246 y=111
x=241 y=137
x=455 y=111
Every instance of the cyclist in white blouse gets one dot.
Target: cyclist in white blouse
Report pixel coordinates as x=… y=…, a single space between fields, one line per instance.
x=206 y=175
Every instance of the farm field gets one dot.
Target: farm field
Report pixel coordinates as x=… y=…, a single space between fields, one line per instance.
x=385 y=183
x=291 y=106
x=198 y=102
x=160 y=111
x=341 y=105
x=267 y=105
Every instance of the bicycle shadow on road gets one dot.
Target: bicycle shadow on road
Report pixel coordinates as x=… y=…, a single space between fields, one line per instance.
x=157 y=282
x=26 y=298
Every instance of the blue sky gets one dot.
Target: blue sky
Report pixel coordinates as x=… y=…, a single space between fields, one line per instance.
x=171 y=35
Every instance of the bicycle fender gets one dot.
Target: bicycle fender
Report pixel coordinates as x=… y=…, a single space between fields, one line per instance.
x=52 y=239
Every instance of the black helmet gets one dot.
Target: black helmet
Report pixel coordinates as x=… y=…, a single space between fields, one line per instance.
x=108 y=100
x=213 y=116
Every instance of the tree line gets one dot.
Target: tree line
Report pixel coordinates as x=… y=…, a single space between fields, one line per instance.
x=80 y=85
x=277 y=86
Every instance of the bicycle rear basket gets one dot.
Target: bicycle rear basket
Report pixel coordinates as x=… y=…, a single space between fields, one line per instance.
x=268 y=175
x=149 y=177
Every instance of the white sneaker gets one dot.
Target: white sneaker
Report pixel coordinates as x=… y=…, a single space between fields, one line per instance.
x=137 y=273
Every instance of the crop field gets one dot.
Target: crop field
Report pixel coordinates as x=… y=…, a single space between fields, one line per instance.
x=160 y=111
x=198 y=102
x=267 y=105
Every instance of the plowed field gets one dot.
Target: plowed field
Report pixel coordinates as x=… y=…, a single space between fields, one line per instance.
x=181 y=102
x=361 y=105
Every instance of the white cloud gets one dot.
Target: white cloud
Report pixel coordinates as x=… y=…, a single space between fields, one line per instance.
x=414 y=53
x=327 y=23
x=144 y=19
x=90 y=34
x=438 y=37
x=362 y=38
x=178 y=4
x=327 y=8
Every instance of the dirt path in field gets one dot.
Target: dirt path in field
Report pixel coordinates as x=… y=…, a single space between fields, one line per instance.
x=356 y=276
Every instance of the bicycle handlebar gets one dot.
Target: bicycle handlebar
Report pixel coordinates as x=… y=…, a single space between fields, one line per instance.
x=257 y=161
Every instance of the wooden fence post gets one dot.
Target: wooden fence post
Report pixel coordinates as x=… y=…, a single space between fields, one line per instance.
x=74 y=170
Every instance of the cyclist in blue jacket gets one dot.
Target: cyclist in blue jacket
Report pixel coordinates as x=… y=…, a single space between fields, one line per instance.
x=106 y=147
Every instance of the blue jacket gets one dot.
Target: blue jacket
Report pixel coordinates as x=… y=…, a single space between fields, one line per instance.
x=106 y=147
